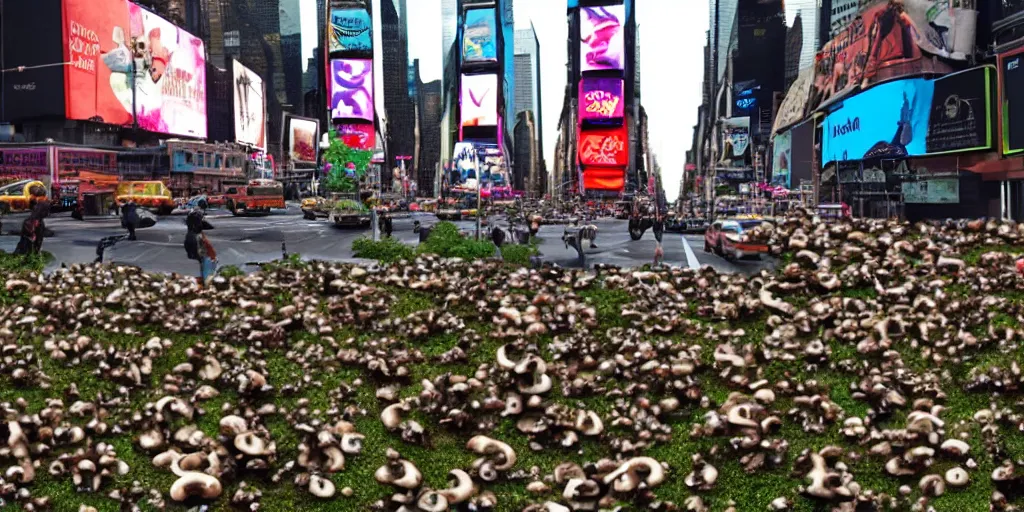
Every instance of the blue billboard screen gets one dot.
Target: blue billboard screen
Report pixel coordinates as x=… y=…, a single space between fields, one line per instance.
x=478 y=41
x=350 y=30
x=886 y=121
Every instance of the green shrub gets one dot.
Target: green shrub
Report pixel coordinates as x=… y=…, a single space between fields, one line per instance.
x=230 y=271
x=350 y=205
x=517 y=254
x=446 y=241
x=388 y=250
x=14 y=264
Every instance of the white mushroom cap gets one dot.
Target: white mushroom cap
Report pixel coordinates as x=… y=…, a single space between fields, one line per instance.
x=321 y=487
x=484 y=445
x=352 y=443
x=391 y=416
x=541 y=385
x=197 y=485
x=232 y=425
x=932 y=485
x=503 y=360
x=957 y=477
x=400 y=473
x=251 y=444
x=626 y=478
x=151 y=439
x=589 y=423
x=742 y=415
x=955 y=447
x=432 y=501
x=335 y=459
x=463 y=488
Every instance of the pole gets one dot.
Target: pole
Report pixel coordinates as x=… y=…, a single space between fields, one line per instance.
x=479 y=186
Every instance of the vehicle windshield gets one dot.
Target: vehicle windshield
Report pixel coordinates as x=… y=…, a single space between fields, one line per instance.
x=749 y=224
x=14 y=189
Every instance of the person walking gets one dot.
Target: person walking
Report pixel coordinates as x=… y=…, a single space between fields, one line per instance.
x=130 y=218
x=33 y=229
x=198 y=246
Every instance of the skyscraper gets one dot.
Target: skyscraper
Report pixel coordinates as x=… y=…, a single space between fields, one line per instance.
x=398 y=107
x=528 y=134
x=810 y=42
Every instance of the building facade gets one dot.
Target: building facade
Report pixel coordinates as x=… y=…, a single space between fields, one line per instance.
x=528 y=98
x=398 y=106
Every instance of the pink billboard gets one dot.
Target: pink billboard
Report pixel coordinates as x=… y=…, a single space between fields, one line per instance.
x=602 y=43
x=601 y=99
x=170 y=85
x=479 y=100
x=352 y=89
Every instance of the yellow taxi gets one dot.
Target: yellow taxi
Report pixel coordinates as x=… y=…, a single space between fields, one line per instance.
x=18 y=196
x=152 y=195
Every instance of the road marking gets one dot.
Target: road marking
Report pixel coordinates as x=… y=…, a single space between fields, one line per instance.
x=691 y=258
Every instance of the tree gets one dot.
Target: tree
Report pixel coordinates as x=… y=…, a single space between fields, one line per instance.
x=348 y=165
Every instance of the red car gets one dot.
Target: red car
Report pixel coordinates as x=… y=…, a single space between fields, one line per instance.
x=726 y=238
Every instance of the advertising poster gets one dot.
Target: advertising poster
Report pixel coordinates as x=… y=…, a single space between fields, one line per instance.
x=250 y=107
x=478 y=40
x=794 y=105
x=352 y=89
x=303 y=137
x=35 y=91
x=98 y=47
x=735 y=137
x=1011 y=84
x=601 y=99
x=887 y=121
x=597 y=178
x=170 y=79
x=479 y=100
x=942 y=29
x=493 y=171
x=782 y=155
x=604 y=147
x=882 y=38
x=801 y=163
x=23 y=164
x=350 y=31
x=960 y=117
x=359 y=136
x=939 y=191
x=602 y=43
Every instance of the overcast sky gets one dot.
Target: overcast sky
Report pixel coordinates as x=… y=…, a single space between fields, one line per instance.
x=672 y=35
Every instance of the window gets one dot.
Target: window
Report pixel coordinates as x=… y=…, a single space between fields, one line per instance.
x=188 y=157
x=201 y=159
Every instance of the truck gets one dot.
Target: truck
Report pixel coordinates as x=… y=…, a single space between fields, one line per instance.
x=257 y=196
x=151 y=195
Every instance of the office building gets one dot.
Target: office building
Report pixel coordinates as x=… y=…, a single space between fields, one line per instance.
x=528 y=98
x=398 y=107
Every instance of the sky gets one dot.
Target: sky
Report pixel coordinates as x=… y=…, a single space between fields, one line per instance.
x=672 y=36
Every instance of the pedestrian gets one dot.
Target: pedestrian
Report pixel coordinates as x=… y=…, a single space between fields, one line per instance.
x=198 y=246
x=130 y=218
x=659 y=254
x=33 y=229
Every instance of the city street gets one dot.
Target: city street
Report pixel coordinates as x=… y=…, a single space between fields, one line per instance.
x=247 y=241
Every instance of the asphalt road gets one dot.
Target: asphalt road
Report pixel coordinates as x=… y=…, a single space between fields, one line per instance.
x=247 y=241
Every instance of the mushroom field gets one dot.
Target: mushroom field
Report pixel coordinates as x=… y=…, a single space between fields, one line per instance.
x=879 y=368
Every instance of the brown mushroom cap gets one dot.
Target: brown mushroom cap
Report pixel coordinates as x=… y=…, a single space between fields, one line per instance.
x=193 y=484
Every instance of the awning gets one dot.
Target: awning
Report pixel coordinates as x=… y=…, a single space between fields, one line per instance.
x=999 y=169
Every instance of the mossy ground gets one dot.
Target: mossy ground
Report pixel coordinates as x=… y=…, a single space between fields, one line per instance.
x=748 y=492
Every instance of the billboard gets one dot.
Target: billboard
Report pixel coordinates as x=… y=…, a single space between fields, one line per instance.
x=250 y=106
x=1011 y=81
x=887 y=121
x=478 y=39
x=24 y=164
x=597 y=178
x=352 y=89
x=802 y=156
x=98 y=47
x=961 y=113
x=359 y=136
x=601 y=99
x=350 y=31
x=602 y=43
x=34 y=91
x=782 y=155
x=937 y=191
x=170 y=75
x=479 y=100
x=941 y=29
x=794 y=105
x=493 y=169
x=609 y=147
x=735 y=137
x=303 y=139
x=882 y=43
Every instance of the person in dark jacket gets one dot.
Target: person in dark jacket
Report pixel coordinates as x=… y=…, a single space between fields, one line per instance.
x=33 y=229
x=198 y=246
x=130 y=218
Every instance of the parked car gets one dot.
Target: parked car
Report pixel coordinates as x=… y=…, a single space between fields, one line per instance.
x=727 y=238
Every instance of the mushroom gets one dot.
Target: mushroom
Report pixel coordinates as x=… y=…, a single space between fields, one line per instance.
x=398 y=472
x=626 y=477
x=932 y=485
x=957 y=477
x=321 y=487
x=151 y=439
x=193 y=484
x=742 y=415
x=483 y=445
x=462 y=490
x=589 y=423
x=391 y=416
x=232 y=425
x=432 y=501
x=352 y=443
x=251 y=444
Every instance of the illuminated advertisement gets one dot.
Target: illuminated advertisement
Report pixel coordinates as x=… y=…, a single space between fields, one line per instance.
x=99 y=51
x=794 y=105
x=303 y=137
x=37 y=88
x=597 y=178
x=604 y=147
x=493 y=170
x=941 y=29
x=602 y=44
x=352 y=89
x=479 y=100
x=1011 y=82
x=961 y=116
x=170 y=79
x=938 y=191
x=359 y=136
x=782 y=155
x=23 y=164
x=887 y=121
x=882 y=43
x=350 y=31
x=735 y=137
x=478 y=36
x=601 y=99
x=250 y=107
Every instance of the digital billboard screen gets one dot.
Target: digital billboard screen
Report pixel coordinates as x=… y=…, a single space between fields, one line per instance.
x=479 y=100
x=352 y=89
x=350 y=31
x=887 y=121
x=961 y=113
x=601 y=99
x=782 y=155
x=359 y=136
x=303 y=136
x=609 y=147
x=478 y=40
x=493 y=170
x=250 y=106
x=37 y=89
x=597 y=178
x=602 y=43
x=1011 y=69
x=98 y=47
x=170 y=79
